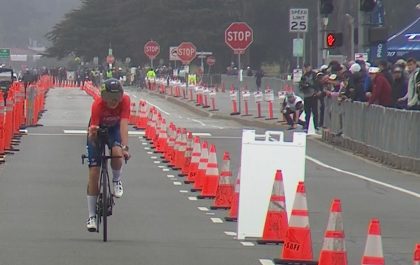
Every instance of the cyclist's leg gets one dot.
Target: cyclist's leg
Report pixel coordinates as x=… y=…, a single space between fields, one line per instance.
x=116 y=163
x=93 y=180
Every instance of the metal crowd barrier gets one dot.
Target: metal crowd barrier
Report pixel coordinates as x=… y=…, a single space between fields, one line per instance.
x=388 y=135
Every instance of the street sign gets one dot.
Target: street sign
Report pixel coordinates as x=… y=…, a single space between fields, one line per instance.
x=211 y=60
x=4 y=53
x=298 y=47
x=173 y=53
x=238 y=36
x=298 y=20
x=186 y=52
x=110 y=59
x=151 y=49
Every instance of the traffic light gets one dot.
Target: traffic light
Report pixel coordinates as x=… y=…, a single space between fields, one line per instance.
x=334 y=39
x=326 y=7
x=367 y=5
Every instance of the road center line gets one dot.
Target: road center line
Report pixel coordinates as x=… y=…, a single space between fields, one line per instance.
x=408 y=192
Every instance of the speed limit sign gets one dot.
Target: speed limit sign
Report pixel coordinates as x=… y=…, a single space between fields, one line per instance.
x=298 y=20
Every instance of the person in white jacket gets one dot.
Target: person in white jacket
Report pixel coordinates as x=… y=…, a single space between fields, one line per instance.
x=413 y=91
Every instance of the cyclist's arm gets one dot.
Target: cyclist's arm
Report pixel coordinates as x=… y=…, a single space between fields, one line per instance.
x=94 y=118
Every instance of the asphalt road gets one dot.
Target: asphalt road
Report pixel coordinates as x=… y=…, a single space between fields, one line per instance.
x=43 y=199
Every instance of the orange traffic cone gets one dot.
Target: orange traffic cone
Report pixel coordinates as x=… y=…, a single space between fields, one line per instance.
x=334 y=249
x=187 y=157
x=202 y=167
x=195 y=159
x=373 y=254
x=162 y=139
x=276 y=221
x=211 y=178
x=297 y=247
x=233 y=212
x=416 y=255
x=225 y=189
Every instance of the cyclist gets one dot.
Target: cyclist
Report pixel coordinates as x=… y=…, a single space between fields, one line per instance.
x=112 y=111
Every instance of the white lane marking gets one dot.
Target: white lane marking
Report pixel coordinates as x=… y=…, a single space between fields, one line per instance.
x=161 y=166
x=23 y=131
x=170 y=176
x=147 y=148
x=177 y=183
x=165 y=169
x=218 y=127
x=217 y=220
x=266 y=262
x=247 y=244
x=192 y=198
x=203 y=209
x=183 y=191
x=153 y=157
x=85 y=132
x=134 y=96
x=201 y=134
x=210 y=213
x=148 y=102
x=150 y=153
x=156 y=162
x=408 y=192
x=200 y=122
x=144 y=143
x=229 y=233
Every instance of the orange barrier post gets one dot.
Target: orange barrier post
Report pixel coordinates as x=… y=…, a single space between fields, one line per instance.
x=195 y=160
x=416 y=255
x=142 y=116
x=334 y=248
x=202 y=167
x=2 y=129
x=373 y=254
x=297 y=247
x=233 y=212
x=225 y=189
x=276 y=220
x=211 y=178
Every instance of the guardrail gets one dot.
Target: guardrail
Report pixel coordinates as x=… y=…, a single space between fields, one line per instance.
x=387 y=135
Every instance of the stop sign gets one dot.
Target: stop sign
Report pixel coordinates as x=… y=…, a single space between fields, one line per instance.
x=186 y=52
x=110 y=59
x=211 y=60
x=238 y=36
x=151 y=49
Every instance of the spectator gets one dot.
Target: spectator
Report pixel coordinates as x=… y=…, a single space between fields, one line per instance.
x=413 y=90
x=355 y=90
x=310 y=92
x=383 y=65
x=259 y=74
x=292 y=106
x=399 y=87
x=381 y=89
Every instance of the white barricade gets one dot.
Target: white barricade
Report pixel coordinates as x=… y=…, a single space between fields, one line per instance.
x=261 y=156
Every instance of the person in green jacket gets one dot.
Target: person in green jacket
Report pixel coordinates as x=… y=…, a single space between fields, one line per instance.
x=150 y=75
